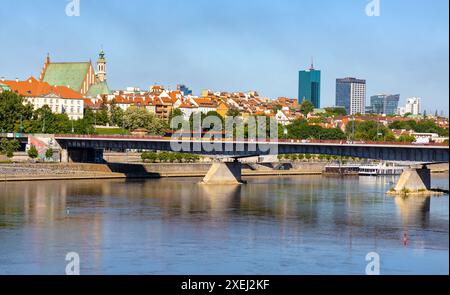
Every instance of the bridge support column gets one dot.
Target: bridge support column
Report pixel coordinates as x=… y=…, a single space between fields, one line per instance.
x=64 y=156
x=414 y=180
x=224 y=173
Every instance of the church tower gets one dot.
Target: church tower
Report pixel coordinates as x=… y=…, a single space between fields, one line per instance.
x=101 y=67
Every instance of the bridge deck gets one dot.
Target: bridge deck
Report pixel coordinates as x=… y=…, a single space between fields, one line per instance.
x=245 y=141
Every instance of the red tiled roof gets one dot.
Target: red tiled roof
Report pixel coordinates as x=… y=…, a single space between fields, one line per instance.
x=34 y=88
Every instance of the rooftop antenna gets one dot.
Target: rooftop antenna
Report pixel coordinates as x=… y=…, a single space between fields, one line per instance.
x=312 y=64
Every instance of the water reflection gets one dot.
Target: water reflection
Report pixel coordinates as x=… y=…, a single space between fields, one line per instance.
x=285 y=224
x=414 y=210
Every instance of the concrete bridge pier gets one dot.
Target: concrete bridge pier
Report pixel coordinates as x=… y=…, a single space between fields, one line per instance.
x=224 y=173
x=414 y=180
x=64 y=156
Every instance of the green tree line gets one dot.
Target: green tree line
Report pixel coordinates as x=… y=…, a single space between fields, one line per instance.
x=15 y=116
x=424 y=126
x=161 y=157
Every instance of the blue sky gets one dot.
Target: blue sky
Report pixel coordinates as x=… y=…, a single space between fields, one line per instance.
x=236 y=45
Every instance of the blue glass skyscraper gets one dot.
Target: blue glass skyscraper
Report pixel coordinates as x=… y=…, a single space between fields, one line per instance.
x=384 y=103
x=309 y=86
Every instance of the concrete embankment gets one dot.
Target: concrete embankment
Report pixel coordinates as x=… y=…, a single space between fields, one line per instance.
x=55 y=171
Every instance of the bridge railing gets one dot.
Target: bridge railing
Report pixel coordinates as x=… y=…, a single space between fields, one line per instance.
x=306 y=141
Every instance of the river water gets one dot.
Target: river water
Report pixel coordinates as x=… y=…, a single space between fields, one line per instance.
x=272 y=225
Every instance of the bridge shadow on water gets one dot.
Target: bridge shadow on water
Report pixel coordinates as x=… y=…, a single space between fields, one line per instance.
x=132 y=170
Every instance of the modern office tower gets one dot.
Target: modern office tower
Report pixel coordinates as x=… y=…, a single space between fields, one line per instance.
x=309 y=86
x=351 y=95
x=386 y=104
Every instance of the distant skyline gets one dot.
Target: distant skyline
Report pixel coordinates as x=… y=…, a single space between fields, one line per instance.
x=234 y=45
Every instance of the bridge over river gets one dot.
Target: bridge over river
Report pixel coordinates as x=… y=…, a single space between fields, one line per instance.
x=88 y=148
x=392 y=151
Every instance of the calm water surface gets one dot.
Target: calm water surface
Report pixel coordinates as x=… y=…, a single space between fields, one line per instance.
x=272 y=225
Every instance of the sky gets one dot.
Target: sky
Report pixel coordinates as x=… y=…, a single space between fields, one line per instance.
x=239 y=45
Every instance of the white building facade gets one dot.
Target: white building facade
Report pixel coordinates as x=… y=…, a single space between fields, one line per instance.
x=357 y=98
x=58 y=105
x=413 y=105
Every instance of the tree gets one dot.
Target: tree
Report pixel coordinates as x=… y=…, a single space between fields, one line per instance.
x=8 y=147
x=135 y=118
x=336 y=111
x=423 y=126
x=49 y=153
x=44 y=121
x=306 y=107
x=116 y=115
x=233 y=112
x=102 y=117
x=179 y=157
x=406 y=138
x=13 y=112
x=368 y=130
x=300 y=129
x=176 y=112
x=150 y=156
x=332 y=134
x=33 y=152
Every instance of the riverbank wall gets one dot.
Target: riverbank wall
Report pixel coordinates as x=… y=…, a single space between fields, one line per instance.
x=54 y=171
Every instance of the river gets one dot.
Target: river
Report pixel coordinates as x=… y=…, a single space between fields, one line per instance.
x=271 y=225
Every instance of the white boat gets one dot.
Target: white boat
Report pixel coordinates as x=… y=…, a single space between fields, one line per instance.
x=380 y=169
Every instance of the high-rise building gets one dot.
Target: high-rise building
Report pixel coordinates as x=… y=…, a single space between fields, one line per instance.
x=413 y=105
x=386 y=104
x=309 y=86
x=351 y=95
